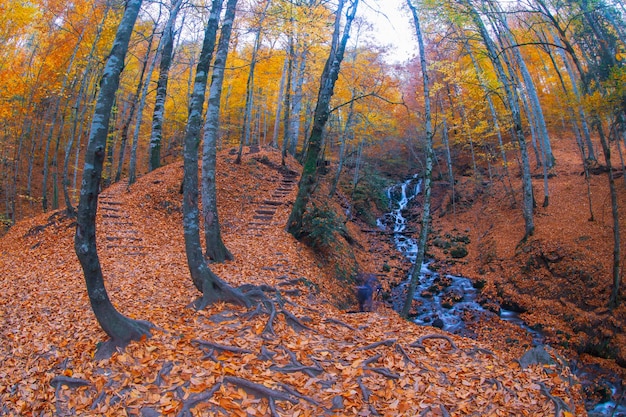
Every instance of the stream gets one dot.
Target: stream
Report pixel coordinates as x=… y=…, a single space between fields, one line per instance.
x=445 y=301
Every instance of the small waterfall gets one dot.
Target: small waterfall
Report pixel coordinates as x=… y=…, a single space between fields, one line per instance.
x=444 y=301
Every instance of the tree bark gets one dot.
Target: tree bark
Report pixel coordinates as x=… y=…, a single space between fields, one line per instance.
x=215 y=247
x=210 y=285
x=512 y=99
x=119 y=328
x=156 y=136
x=414 y=274
x=308 y=180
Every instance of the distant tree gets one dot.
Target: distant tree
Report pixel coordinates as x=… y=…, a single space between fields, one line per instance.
x=308 y=180
x=119 y=328
x=416 y=269
x=167 y=52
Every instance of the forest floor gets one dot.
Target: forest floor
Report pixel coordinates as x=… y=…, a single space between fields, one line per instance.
x=560 y=278
x=306 y=358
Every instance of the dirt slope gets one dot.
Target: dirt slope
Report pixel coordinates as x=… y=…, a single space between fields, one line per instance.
x=314 y=360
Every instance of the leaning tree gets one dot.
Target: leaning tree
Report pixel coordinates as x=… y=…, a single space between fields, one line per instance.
x=308 y=180
x=120 y=329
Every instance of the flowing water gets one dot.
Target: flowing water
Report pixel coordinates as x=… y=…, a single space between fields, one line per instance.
x=446 y=301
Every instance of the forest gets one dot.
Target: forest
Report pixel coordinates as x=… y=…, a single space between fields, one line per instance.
x=253 y=207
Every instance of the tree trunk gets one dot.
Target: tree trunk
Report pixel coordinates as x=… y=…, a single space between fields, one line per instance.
x=132 y=166
x=296 y=106
x=210 y=285
x=167 y=40
x=279 y=103
x=61 y=96
x=247 y=114
x=308 y=180
x=119 y=328
x=215 y=247
x=614 y=298
x=513 y=102
x=78 y=113
x=414 y=274
x=347 y=132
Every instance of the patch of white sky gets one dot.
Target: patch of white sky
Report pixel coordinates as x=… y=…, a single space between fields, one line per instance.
x=392 y=26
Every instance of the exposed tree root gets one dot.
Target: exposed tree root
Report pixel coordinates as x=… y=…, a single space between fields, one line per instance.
x=294 y=322
x=266 y=355
x=61 y=380
x=196 y=399
x=388 y=342
x=371 y=360
x=419 y=342
x=559 y=404
x=383 y=371
x=133 y=330
x=220 y=347
x=260 y=390
x=165 y=370
x=405 y=355
x=444 y=411
x=341 y=323
x=297 y=366
x=364 y=390
x=476 y=350
x=295 y=393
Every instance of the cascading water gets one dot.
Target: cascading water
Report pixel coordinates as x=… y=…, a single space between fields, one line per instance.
x=444 y=301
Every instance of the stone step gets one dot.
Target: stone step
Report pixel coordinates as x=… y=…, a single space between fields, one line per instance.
x=112 y=203
x=111 y=246
x=113 y=238
x=267 y=218
x=267 y=212
x=111 y=209
x=272 y=202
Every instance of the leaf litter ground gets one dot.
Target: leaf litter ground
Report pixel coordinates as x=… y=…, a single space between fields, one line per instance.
x=222 y=361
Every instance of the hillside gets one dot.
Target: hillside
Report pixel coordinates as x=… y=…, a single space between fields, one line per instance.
x=312 y=359
x=560 y=279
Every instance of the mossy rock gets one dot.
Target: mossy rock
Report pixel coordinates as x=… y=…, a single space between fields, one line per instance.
x=458 y=251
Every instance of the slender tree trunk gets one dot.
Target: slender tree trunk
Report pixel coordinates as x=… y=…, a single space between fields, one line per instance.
x=119 y=328
x=215 y=248
x=296 y=110
x=347 y=133
x=614 y=298
x=247 y=114
x=308 y=180
x=513 y=102
x=279 y=103
x=446 y=144
x=78 y=114
x=55 y=113
x=156 y=137
x=210 y=285
x=132 y=168
x=288 y=85
x=494 y=119
x=414 y=274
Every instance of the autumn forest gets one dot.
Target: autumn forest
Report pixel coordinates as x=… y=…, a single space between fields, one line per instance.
x=255 y=207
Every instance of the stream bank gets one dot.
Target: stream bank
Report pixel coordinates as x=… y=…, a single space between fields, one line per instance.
x=450 y=302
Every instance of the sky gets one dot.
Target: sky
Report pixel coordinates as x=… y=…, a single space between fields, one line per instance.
x=392 y=26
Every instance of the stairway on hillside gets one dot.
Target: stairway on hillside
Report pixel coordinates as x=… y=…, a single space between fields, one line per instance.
x=119 y=229
x=264 y=213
